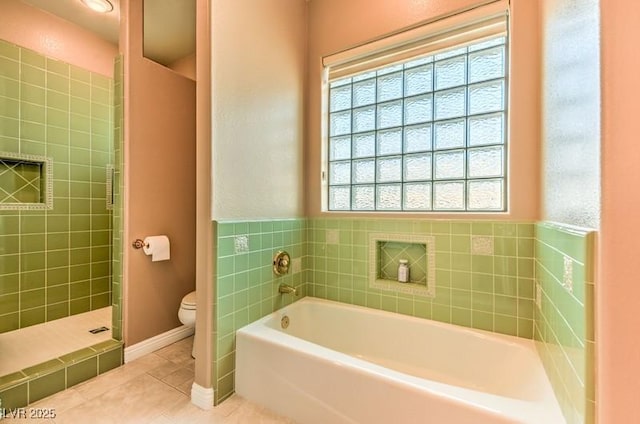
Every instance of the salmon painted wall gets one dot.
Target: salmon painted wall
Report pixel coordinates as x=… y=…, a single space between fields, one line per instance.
x=618 y=291
x=205 y=349
x=51 y=36
x=185 y=66
x=160 y=185
x=258 y=77
x=332 y=29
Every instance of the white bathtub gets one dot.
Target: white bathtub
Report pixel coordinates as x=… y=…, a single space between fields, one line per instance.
x=338 y=363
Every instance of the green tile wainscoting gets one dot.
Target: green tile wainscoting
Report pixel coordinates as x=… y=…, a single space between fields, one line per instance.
x=492 y=292
x=564 y=323
x=34 y=383
x=246 y=287
x=55 y=263
x=491 y=289
x=486 y=291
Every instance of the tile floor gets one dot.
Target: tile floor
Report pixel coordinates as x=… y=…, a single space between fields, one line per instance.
x=152 y=389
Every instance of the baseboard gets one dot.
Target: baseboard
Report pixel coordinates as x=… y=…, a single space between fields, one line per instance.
x=202 y=397
x=157 y=342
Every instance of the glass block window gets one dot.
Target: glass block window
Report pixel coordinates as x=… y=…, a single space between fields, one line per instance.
x=428 y=134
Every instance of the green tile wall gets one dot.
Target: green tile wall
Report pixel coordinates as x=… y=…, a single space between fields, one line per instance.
x=117 y=185
x=246 y=287
x=55 y=263
x=489 y=292
x=34 y=383
x=564 y=326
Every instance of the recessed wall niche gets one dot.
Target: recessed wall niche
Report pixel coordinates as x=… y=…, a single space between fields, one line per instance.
x=26 y=182
x=385 y=250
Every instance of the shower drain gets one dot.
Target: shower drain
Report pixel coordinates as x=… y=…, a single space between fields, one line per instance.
x=98 y=330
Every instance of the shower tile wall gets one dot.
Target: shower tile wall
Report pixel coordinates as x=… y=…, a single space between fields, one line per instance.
x=117 y=185
x=246 y=287
x=490 y=292
x=55 y=263
x=564 y=323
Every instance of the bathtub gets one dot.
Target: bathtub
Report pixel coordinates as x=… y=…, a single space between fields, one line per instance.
x=338 y=363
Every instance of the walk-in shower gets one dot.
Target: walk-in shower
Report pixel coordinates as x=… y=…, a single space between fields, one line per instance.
x=59 y=181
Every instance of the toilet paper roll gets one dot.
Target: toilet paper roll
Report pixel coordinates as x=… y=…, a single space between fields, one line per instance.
x=158 y=247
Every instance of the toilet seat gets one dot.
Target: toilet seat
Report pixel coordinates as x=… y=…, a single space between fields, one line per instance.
x=189 y=301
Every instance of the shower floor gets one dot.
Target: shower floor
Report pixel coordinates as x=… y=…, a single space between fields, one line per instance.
x=33 y=345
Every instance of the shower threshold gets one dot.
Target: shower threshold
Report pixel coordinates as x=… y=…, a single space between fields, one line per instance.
x=23 y=348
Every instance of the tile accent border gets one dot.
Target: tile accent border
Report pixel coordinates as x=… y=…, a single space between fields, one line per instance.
x=110 y=170
x=31 y=384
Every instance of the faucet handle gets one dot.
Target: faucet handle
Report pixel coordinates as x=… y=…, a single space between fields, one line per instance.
x=281 y=263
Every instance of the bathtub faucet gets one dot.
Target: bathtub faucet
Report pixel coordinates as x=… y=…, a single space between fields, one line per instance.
x=285 y=288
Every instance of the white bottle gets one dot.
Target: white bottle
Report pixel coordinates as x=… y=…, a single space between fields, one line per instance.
x=403 y=271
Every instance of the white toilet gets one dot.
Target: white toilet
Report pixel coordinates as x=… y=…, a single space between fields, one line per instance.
x=187 y=314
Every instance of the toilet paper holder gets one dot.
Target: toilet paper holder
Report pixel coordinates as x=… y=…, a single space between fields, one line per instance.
x=139 y=244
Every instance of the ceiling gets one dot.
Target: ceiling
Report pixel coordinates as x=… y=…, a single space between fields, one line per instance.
x=169 y=25
x=105 y=25
x=169 y=29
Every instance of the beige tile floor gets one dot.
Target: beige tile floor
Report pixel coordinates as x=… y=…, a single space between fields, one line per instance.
x=152 y=389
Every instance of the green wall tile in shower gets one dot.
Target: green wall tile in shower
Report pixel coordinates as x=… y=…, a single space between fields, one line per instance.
x=9 y=51
x=9 y=264
x=42 y=92
x=32 y=261
x=9 y=283
x=9 y=244
x=30 y=224
x=57 y=67
x=32 y=75
x=57 y=310
x=79 y=272
x=9 y=303
x=31 y=317
x=57 y=294
x=55 y=276
x=32 y=298
x=32 y=242
x=32 y=58
x=79 y=74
